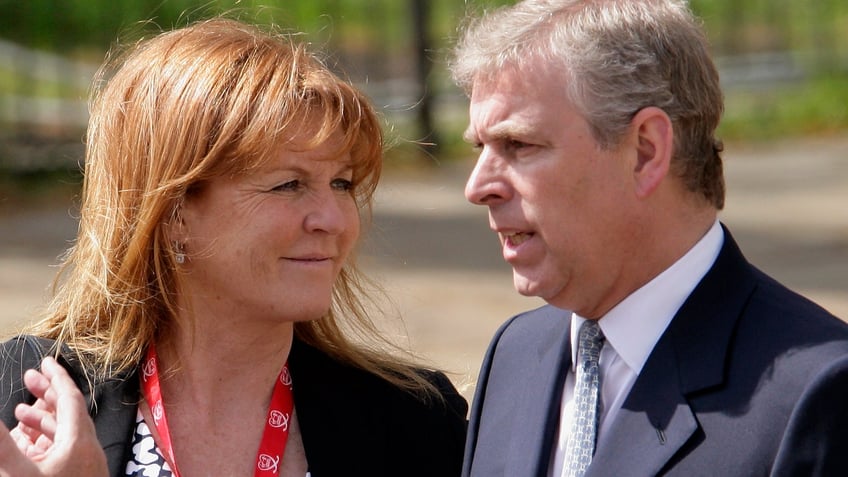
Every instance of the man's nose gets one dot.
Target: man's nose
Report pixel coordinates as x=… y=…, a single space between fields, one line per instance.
x=487 y=184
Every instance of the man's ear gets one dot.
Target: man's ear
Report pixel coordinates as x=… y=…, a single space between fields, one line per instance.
x=654 y=148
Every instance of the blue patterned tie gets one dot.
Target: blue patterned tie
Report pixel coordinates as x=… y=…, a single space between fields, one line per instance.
x=584 y=425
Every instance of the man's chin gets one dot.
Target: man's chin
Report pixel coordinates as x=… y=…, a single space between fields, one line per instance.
x=525 y=286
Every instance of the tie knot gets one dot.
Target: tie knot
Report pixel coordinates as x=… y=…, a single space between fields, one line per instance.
x=590 y=331
x=591 y=339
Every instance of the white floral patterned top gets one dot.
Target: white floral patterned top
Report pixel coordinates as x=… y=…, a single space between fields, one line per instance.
x=147 y=460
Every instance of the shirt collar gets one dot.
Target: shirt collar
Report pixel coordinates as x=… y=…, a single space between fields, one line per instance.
x=634 y=326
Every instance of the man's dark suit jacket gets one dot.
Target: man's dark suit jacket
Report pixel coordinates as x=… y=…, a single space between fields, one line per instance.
x=748 y=379
x=352 y=423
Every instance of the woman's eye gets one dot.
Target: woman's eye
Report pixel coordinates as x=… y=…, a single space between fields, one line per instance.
x=343 y=185
x=292 y=185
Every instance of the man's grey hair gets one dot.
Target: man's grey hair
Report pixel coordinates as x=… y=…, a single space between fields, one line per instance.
x=616 y=57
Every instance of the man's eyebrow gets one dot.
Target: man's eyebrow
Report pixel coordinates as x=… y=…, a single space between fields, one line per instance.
x=501 y=131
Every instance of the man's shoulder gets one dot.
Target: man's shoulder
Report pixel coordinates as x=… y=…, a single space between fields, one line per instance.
x=525 y=337
x=772 y=294
x=784 y=334
x=546 y=320
x=764 y=312
x=774 y=306
x=768 y=295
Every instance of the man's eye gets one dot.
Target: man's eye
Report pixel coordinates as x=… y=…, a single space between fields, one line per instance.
x=514 y=144
x=343 y=185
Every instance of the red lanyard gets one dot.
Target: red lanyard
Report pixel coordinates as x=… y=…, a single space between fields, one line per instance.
x=273 y=444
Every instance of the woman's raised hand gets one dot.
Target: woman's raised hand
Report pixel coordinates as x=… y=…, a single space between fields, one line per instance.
x=55 y=435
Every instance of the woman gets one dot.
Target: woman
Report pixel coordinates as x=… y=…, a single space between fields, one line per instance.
x=211 y=311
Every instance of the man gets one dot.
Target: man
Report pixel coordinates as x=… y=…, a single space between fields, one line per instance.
x=599 y=166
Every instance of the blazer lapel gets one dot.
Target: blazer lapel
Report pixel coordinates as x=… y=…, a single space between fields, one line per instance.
x=115 y=404
x=537 y=411
x=654 y=422
x=116 y=412
x=656 y=419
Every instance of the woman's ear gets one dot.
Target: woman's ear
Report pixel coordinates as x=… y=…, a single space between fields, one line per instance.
x=654 y=149
x=175 y=228
x=175 y=233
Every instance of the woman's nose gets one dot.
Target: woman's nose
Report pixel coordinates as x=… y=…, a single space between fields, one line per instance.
x=329 y=214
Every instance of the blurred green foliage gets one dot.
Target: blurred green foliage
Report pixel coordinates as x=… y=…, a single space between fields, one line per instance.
x=69 y=25
x=371 y=41
x=818 y=106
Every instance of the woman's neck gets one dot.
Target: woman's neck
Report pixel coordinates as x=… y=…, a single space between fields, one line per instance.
x=217 y=396
x=213 y=367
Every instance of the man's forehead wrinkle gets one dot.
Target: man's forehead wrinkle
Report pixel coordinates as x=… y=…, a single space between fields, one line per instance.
x=511 y=126
x=500 y=110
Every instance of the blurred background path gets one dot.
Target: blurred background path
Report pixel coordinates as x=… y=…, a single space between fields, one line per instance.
x=787 y=206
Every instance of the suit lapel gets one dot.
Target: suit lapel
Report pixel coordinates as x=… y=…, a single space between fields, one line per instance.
x=656 y=419
x=113 y=405
x=114 y=418
x=537 y=410
x=654 y=422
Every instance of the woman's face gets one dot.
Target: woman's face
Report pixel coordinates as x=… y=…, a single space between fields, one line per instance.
x=269 y=244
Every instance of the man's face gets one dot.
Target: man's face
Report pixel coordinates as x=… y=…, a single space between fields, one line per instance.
x=560 y=205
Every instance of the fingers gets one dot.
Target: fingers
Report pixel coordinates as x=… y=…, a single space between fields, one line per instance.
x=55 y=435
x=39 y=385
x=33 y=444
x=61 y=387
x=35 y=421
x=39 y=419
x=70 y=415
x=12 y=462
x=60 y=407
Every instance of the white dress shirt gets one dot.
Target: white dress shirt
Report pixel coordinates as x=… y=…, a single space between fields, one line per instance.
x=632 y=329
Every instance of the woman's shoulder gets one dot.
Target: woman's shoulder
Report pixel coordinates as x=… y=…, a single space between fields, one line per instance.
x=24 y=351
x=346 y=412
x=18 y=354
x=451 y=399
x=314 y=369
